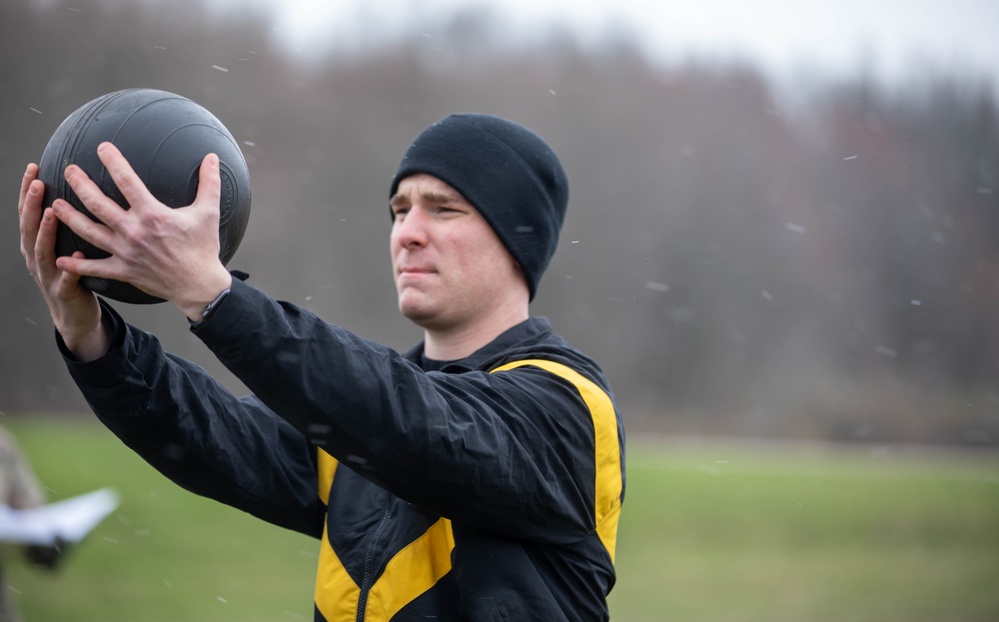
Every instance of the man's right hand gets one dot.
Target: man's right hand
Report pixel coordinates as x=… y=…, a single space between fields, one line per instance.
x=74 y=309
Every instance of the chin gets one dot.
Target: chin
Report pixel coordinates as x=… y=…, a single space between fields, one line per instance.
x=427 y=318
x=416 y=311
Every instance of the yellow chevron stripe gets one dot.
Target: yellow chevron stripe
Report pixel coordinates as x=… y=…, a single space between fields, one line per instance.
x=336 y=593
x=607 y=458
x=326 y=468
x=411 y=572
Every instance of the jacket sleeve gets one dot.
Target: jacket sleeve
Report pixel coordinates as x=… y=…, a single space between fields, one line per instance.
x=196 y=432
x=511 y=452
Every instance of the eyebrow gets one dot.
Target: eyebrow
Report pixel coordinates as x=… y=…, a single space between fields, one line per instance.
x=446 y=198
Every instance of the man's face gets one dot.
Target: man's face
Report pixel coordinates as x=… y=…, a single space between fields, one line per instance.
x=450 y=268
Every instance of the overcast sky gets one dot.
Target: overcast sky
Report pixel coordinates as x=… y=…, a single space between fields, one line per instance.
x=833 y=35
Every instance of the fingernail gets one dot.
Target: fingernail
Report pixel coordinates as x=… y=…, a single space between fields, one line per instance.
x=33 y=190
x=47 y=215
x=101 y=148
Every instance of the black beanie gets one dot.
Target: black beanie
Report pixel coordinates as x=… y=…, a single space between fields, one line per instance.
x=511 y=176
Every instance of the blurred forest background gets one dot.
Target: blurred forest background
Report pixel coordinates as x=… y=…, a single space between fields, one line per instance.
x=741 y=262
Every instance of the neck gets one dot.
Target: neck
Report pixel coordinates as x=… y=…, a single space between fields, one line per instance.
x=457 y=342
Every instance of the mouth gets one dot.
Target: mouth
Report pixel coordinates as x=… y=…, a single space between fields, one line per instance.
x=414 y=270
x=413 y=277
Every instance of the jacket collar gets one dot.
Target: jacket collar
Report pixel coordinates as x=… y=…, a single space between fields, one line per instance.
x=527 y=331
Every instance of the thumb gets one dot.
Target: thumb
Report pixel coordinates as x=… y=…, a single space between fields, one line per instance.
x=209 y=181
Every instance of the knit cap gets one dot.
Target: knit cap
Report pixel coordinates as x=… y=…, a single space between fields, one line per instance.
x=511 y=176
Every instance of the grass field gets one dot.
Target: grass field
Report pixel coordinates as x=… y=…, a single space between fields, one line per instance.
x=711 y=531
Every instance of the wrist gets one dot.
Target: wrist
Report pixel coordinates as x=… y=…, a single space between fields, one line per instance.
x=209 y=309
x=86 y=343
x=208 y=298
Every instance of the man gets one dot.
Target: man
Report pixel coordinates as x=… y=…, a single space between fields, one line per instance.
x=479 y=476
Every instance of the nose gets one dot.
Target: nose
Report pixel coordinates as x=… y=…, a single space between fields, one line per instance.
x=409 y=229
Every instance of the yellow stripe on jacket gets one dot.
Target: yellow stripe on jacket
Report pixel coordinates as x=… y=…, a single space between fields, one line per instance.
x=607 y=459
x=418 y=566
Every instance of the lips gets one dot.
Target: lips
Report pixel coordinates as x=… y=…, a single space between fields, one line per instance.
x=416 y=270
x=413 y=275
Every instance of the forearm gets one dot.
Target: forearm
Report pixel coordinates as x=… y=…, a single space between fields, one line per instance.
x=197 y=433
x=324 y=380
x=468 y=446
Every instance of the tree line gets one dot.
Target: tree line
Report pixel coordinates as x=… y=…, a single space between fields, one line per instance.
x=740 y=264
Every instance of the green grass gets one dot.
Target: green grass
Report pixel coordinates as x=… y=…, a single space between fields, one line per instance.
x=755 y=532
x=710 y=531
x=166 y=554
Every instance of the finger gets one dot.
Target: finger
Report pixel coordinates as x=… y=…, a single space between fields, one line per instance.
x=209 y=181
x=77 y=264
x=44 y=246
x=102 y=207
x=96 y=233
x=30 y=174
x=29 y=215
x=131 y=187
x=70 y=279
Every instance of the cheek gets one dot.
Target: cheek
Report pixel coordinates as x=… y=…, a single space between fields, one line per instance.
x=489 y=262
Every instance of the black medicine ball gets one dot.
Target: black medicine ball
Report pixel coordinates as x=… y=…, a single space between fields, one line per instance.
x=164 y=137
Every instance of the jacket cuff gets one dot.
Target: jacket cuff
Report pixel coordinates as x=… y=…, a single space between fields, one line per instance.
x=215 y=305
x=99 y=371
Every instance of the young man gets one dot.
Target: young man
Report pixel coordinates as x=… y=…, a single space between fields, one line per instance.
x=478 y=476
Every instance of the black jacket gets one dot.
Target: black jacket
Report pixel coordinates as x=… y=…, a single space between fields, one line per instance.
x=487 y=488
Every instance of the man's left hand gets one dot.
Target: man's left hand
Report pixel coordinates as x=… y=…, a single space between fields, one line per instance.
x=165 y=252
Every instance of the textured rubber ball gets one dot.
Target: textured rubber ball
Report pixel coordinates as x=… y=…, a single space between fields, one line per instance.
x=164 y=137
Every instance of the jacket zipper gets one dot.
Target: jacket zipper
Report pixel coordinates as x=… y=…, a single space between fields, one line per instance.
x=369 y=558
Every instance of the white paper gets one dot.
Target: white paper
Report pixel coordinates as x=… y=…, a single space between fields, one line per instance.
x=69 y=520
